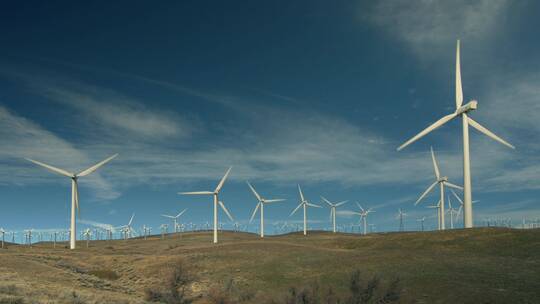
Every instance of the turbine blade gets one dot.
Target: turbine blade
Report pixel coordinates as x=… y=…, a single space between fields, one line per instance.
x=254 y=212
x=432 y=127
x=341 y=203
x=459 y=210
x=313 y=205
x=226 y=211
x=197 y=193
x=179 y=214
x=360 y=206
x=327 y=201
x=96 y=166
x=459 y=89
x=425 y=192
x=222 y=181
x=274 y=200
x=164 y=215
x=296 y=209
x=487 y=132
x=453 y=186
x=458 y=198
x=435 y=166
x=131 y=219
x=51 y=168
x=254 y=192
x=301 y=194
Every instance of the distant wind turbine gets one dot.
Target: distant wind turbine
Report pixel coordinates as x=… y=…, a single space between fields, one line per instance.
x=304 y=203
x=333 y=207
x=422 y=220
x=74 y=190
x=175 y=219
x=466 y=121
x=442 y=181
x=261 y=202
x=363 y=215
x=400 y=216
x=216 y=201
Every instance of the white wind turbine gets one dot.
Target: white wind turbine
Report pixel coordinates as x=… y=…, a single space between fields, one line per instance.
x=442 y=181
x=74 y=190
x=466 y=121
x=304 y=203
x=216 y=202
x=127 y=229
x=333 y=207
x=451 y=211
x=87 y=233
x=261 y=202
x=422 y=220
x=363 y=215
x=175 y=219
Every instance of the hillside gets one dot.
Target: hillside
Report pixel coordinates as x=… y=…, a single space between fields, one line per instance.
x=460 y=266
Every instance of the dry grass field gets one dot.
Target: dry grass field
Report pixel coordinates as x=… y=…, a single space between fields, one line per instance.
x=483 y=265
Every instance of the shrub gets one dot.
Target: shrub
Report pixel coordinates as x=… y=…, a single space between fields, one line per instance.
x=173 y=290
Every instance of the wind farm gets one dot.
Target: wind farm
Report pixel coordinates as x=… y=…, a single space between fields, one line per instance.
x=270 y=153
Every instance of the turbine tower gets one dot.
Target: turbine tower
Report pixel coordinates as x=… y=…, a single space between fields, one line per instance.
x=74 y=190
x=175 y=219
x=261 y=202
x=333 y=207
x=442 y=181
x=461 y=111
x=215 y=194
x=304 y=203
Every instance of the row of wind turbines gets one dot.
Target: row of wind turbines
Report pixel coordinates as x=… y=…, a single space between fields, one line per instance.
x=461 y=110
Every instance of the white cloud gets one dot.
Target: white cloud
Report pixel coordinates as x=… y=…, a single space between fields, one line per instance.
x=427 y=26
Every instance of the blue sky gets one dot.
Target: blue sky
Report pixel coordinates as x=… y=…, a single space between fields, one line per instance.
x=286 y=92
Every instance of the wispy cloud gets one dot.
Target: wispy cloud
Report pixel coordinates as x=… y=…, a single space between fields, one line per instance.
x=427 y=26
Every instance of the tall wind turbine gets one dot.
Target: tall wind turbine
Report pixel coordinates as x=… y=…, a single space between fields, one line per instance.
x=175 y=219
x=217 y=202
x=304 y=203
x=261 y=202
x=127 y=229
x=442 y=181
x=466 y=121
x=74 y=190
x=333 y=207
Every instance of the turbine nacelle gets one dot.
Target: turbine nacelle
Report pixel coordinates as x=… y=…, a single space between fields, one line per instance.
x=443 y=179
x=471 y=105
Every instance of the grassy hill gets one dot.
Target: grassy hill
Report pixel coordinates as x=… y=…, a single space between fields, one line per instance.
x=483 y=265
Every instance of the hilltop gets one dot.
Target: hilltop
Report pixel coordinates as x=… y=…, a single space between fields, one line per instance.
x=482 y=265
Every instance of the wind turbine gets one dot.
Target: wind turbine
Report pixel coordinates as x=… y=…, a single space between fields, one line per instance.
x=175 y=218
x=400 y=215
x=422 y=220
x=261 y=202
x=216 y=201
x=333 y=207
x=304 y=203
x=452 y=211
x=87 y=233
x=466 y=121
x=363 y=215
x=126 y=229
x=164 y=230
x=442 y=181
x=74 y=190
